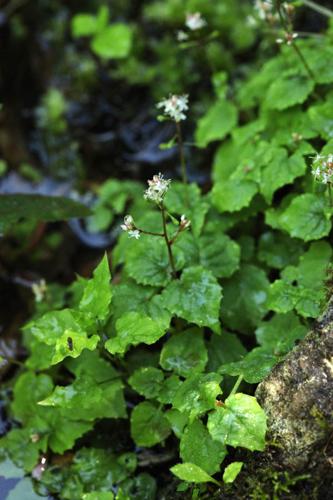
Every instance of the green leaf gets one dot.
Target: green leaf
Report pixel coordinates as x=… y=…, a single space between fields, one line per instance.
x=83 y=25
x=307 y=217
x=223 y=349
x=246 y=291
x=148 y=425
x=231 y=472
x=240 y=422
x=280 y=170
x=185 y=353
x=320 y=116
x=302 y=287
x=88 y=400
x=254 y=367
x=15 y=208
x=198 y=394
x=114 y=42
x=192 y=473
x=288 y=90
x=278 y=250
x=147 y=381
x=72 y=343
x=219 y=120
x=280 y=333
x=97 y=293
x=65 y=333
x=168 y=390
x=219 y=253
x=233 y=194
x=147 y=261
x=198 y=447
x=186 y=199
x=132 y=329
x=195 y=297
x=177 y=421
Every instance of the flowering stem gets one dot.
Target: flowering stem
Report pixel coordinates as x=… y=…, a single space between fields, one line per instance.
x=287 y=26
x=168 y=244
x=181 y=152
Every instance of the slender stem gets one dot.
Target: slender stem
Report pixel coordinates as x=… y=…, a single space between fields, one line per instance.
x=287 y=26
x=13 y=361
x=330 y=194
x=143 y=231
x=165 y=234
x=318 y=8
x=237 y=384
x=181 y=152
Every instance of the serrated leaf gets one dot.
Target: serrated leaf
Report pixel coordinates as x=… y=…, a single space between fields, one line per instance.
x=320 y=116
x=198 y=394
x=132 y=329
x=233 y=194
x=223 y=349
x=192 y=473
x=72 y=343
x=278 y=250
x=280 y=170
x=185 y=353
x=280 y=333
x=231 y=472
x=240 y=422
x=198 y=447
x=288 y=90
x=308 y=217
x=168 y=389
x=147 y=381
x=219 y=253
x=147 y=261
x=219 y=120
x=97 y=292
x=114 y=42
x=246 y=291
x=148 y=425
x=186 y=199
x=195 y=297
x=302 y=287
x=254 y=367
x=177 y=421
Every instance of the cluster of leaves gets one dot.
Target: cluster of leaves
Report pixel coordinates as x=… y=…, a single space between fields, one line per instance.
x=169 y=354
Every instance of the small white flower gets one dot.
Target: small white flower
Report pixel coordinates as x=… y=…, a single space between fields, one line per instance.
x=288 y=38
x=195 y=21
x=182 y=36
x=175 y=106
x=39 y=290
x=128 y=223
x=322 y=168
x=157 y=189
x=263 y=8
x=184 y=223
x=135 y=233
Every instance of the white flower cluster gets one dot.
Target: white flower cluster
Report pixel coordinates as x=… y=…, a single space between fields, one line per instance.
x=264 y=9
x=195 y=21
x=288 y=38
x=157 y=189
x=174 y=107
x=322 y=168
x=129 y=227
x=39 y=290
